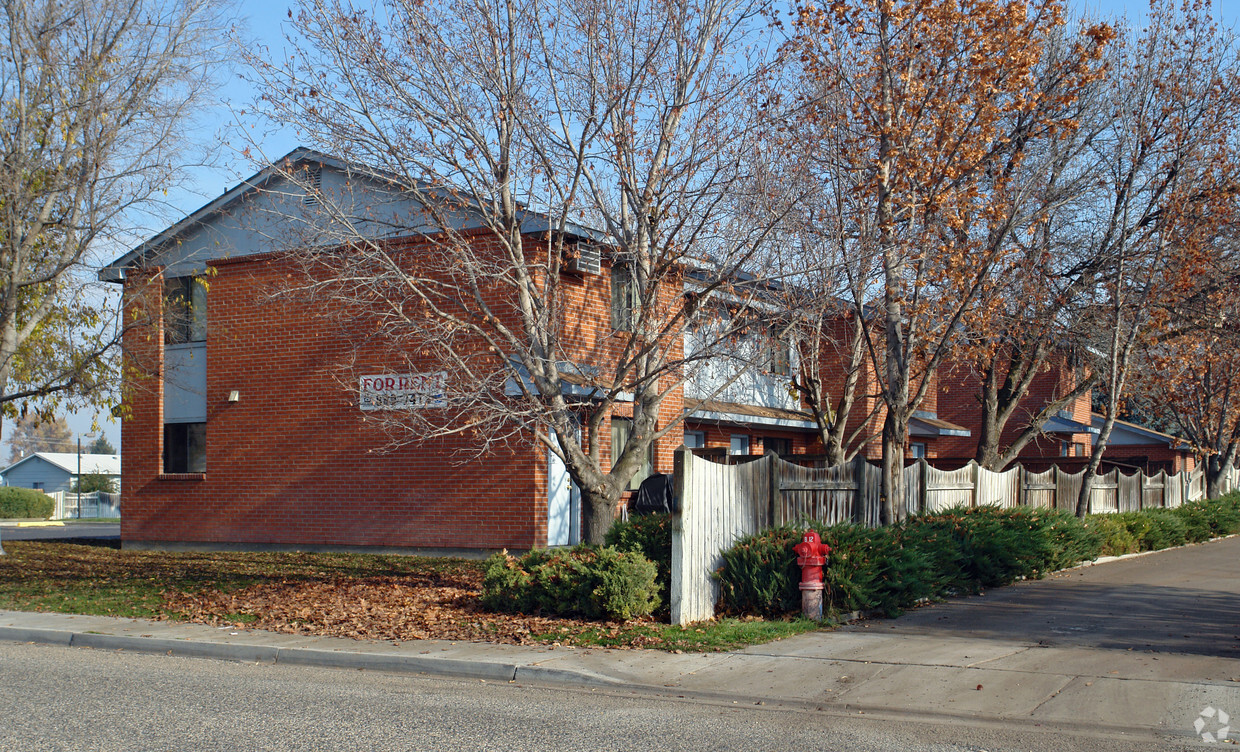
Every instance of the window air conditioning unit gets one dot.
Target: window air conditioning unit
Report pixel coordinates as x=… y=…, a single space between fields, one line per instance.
x=583 y=257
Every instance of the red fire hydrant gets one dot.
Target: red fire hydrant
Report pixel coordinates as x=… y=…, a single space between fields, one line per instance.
x=812 y=556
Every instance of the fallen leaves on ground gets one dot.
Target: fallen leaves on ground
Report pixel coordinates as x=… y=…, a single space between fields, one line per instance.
x=371 y=608
x=361 y=596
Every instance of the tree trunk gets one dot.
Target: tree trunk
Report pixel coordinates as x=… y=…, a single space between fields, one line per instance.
x=895 y=438
x=1216 y=465
x=1095 y=459
x=598 y=509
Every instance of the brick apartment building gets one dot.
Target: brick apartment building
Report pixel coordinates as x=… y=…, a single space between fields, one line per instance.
x=1067 y=434
x=241 y=432
x=1067 y=438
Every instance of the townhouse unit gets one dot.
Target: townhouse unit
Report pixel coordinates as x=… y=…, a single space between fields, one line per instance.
x=1135 y=445
x=1066 y=434
x=1068 y=437
x=254 y=417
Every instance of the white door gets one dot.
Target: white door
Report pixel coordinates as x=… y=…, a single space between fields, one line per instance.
x=563 y=504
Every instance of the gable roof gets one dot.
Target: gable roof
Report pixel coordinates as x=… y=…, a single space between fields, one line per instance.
x=1147 y=435
x=103 y=464
x=200 y=216
x=531 y=221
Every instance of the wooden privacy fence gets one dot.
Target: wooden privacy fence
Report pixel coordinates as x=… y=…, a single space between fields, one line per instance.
x=720 y=503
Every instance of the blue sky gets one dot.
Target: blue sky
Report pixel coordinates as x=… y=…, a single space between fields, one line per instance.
x=263 y=23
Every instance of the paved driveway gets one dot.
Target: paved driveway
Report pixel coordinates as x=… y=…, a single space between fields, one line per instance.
x=1184 y=600
x=69 y=531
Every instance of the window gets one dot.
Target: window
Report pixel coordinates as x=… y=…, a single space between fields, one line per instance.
x=185 y=310
x=185 y=447
x=625 y=299
x=739 y=444
x=37 y=485
x=621 y=429
x=779 y=359
x=918 y=450
x=776 y=445
x=695 y=439
x=1065 y=449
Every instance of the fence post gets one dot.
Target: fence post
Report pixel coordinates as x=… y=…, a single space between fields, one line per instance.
x=859 y=492
x=977 y=483
x=924 y=495
x=775 y=499
x=682 y=467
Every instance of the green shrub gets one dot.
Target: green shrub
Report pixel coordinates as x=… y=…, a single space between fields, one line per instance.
x=1167 y=529
x=597 y=583
x=889 y=569
x=90 y=482
x=1204 y=520
x=760 y=574
x=25 y=503
x=1117 y=538
x=651 y=536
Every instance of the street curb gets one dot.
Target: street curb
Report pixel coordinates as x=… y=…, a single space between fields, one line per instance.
x=294 y=656
x=547 y=675
x=46 y=636
x=183 y=648
x=397 y=663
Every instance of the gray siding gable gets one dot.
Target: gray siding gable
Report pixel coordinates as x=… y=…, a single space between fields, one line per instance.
x=36 y=469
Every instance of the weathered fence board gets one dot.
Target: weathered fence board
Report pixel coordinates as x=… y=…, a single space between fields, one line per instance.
x=1130 y=492
x=718 y=504
x=1039 y=489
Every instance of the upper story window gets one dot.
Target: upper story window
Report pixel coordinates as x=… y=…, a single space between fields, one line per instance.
x=779 y=360
x=625 y=298
x=185 y=310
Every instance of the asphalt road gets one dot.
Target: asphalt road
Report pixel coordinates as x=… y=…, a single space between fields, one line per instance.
x=56 y=698
x=1184 y=600
x=69 y=531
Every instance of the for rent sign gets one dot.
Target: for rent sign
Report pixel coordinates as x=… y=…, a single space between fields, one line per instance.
x=402 y=391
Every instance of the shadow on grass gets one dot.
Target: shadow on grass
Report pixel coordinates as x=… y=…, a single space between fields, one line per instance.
x=98 y=577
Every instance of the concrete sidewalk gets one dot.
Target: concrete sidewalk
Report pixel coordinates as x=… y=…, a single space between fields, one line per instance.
x=853 y=670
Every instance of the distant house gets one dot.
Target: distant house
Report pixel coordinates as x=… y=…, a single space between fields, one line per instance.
x=1152 y=450
x=55 y=471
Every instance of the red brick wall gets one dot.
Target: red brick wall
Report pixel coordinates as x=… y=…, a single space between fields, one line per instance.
x=295 y=462
x=960 y=390
x=1154 y=457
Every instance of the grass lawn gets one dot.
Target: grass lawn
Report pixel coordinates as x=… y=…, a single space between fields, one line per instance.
x=346 y=595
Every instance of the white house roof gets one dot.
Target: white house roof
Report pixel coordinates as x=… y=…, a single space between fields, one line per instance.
x=103 y=464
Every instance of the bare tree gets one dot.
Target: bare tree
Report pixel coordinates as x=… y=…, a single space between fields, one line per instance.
x=526 y=133
x=1170 y=160
x=930 y=119
x=96 y=97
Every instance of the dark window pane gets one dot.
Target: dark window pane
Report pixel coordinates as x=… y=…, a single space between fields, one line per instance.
x=624 y=299
x=185 y=448
x=185 y=310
